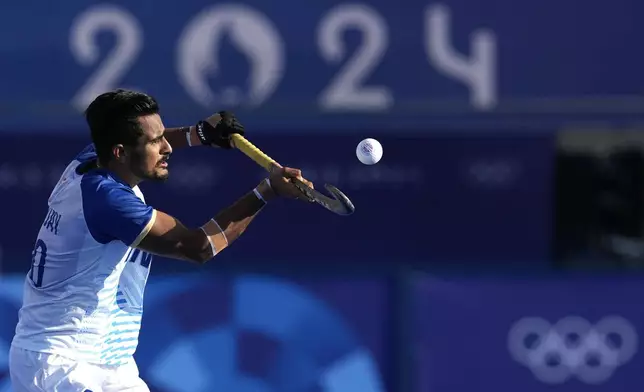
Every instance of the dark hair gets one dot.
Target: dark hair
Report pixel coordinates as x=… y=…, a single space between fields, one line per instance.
x=112 y=119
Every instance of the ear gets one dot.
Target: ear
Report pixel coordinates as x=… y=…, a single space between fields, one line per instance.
x=119 y=153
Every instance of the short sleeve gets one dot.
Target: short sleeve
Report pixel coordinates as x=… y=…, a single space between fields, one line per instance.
x=113 y=212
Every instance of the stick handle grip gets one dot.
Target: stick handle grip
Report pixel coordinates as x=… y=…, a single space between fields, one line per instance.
x=253 y=152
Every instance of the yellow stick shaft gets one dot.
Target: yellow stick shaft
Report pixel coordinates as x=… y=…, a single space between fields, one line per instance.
x=253 y=152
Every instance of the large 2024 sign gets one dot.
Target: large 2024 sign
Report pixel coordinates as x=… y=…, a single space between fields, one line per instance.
x=307 y=62
x=253 y=33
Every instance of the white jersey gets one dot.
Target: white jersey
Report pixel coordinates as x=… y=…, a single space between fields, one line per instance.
x=83 y=297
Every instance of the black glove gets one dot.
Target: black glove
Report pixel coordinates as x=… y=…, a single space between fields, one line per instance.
x=216 y=130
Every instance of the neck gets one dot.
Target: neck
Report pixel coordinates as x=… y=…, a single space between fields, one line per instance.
x=123 y=174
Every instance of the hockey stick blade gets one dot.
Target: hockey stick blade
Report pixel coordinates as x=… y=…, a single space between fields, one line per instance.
x=339 y=203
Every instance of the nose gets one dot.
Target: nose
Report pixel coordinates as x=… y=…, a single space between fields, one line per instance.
x=167 y=148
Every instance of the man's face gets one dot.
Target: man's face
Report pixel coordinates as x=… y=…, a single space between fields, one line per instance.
x=148 y=159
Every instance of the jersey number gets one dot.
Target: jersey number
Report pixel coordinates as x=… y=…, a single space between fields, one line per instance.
x=38 y=259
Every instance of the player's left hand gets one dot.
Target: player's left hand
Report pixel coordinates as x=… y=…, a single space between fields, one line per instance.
x=216 y=130
x=281 y=182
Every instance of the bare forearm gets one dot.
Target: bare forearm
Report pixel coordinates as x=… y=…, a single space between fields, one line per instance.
x=230 y=224
x=234 y=220
x=177 y=137
x=200 y=245
x=169 y=237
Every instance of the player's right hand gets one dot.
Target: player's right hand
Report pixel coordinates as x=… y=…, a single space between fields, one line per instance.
x=216 y=130
x=281 y=182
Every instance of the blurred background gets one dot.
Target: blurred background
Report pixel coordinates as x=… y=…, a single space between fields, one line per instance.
x=498 y=245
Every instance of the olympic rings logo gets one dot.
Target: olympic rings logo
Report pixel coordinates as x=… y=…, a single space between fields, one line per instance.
x=573 y=347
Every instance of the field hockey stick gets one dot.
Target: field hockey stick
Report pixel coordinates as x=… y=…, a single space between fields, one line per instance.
x=339 y=203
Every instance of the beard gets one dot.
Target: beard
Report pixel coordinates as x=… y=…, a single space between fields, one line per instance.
x=159 y=174
x=156 y=173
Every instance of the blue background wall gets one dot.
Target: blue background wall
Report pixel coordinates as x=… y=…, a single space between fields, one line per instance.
x=451 y=245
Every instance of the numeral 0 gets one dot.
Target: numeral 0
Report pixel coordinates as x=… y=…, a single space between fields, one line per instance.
x=38 y=259
x=251 y=33
x=83 y=45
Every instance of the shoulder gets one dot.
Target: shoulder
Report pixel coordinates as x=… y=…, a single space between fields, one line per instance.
x=100 y=188
x=86 y=154
x=113 y=210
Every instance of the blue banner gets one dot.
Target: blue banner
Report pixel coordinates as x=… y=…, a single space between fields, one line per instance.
x=442 y=198
x=325 y=65
x=251 y=333
x=529 y=334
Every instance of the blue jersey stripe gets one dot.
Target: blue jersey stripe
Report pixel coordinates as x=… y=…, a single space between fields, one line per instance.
x=117 y=349
x=122 y=340
x=123 y=332
x=117 y=324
